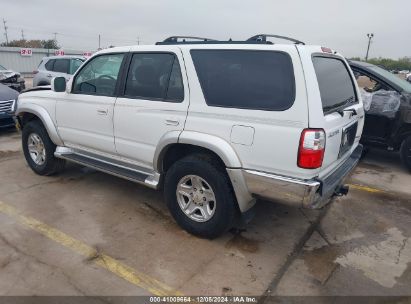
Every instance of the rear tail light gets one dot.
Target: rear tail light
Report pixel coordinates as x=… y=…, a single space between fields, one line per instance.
x=311 y=149
x=35 y=72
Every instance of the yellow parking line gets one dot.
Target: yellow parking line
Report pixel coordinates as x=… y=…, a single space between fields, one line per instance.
x=121 y=270
x=366 y=188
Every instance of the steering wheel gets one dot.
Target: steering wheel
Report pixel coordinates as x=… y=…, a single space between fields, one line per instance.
x=107 y=77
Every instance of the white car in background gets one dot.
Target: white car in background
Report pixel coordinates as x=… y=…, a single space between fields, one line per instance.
x=56 y=66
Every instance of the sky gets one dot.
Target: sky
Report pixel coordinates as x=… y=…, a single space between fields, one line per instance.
x=339 y=24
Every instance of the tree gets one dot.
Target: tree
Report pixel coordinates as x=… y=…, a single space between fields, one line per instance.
x=35 y=44
x=390 y=64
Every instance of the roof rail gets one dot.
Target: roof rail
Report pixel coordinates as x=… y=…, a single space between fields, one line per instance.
x=263 y=38
x=174 y=39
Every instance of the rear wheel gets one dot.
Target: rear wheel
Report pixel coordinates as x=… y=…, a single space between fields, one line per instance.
x=199 y=195
x=406 y=153
x=39 y=149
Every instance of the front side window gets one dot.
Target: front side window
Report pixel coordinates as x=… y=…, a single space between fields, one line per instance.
x=155 y=76
x=61 y=66
x=246 y=79
x=99 y=76
x=335 y=83
x=74 y=65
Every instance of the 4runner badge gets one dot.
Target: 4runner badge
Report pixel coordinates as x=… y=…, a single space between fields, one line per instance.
x=333 y=133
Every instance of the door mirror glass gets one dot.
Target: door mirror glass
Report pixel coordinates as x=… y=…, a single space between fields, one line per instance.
x=58 y=84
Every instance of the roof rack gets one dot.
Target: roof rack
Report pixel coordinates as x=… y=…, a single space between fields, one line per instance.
x=257 y=39
x=175 y=40
x=263 y=38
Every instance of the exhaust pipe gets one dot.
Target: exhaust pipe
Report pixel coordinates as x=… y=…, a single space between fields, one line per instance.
x=342 y=190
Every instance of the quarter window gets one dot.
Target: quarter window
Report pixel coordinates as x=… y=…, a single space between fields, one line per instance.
x=99 y=76
x=244 y=79
x=155 y=76
x=49 y=65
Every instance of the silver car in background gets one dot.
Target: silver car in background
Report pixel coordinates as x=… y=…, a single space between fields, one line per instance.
x=56 y=66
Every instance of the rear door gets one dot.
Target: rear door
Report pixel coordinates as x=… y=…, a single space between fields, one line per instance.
x=152 y=104
x=334 y=104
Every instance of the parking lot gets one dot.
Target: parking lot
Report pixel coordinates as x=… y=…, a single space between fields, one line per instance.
x=88 y=233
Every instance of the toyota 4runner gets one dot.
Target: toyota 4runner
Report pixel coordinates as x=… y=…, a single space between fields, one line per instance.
x=216 y=124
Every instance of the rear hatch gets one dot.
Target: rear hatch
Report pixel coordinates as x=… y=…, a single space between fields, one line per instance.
x=334 y=105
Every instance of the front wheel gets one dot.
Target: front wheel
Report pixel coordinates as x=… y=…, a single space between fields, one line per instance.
x=39 y=149
x=405 y=152
x=199 y=196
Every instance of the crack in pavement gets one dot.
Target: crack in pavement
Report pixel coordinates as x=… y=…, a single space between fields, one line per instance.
x=404 y=242
x=296 y=251
x=38 y=261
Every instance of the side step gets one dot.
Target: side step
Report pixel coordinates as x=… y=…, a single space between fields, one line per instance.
x=102 y=164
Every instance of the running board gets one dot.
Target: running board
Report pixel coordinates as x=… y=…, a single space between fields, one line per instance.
x=122 y=170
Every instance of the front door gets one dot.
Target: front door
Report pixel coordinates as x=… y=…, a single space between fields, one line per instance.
x=152 y=104
x=85 y=115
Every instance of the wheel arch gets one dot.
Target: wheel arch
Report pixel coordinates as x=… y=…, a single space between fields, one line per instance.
x=27 y=113
x=174 y=147
x=191 y=141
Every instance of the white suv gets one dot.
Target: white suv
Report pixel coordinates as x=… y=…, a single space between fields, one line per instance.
x=215 y=124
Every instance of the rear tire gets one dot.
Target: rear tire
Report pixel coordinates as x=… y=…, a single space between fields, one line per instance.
x=405 y=153
x=207 y=214
x=39 y=149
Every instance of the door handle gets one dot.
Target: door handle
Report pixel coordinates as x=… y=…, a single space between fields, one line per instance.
x=172 y=122
x=102 y=112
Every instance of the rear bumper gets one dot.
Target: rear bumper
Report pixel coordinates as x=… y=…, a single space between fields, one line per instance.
x=313 y=194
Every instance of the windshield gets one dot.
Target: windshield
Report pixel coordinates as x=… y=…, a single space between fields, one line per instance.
x=2 y=68
x=404 y=85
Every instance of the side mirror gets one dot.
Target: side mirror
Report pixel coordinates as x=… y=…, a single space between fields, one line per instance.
x=58 y=84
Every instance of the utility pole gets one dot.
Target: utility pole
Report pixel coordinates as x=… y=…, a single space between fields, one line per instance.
x=5 y=32
x=22 y=35
x=370 y=36
x=99 y=42
x=55 y=36
x=138 y=40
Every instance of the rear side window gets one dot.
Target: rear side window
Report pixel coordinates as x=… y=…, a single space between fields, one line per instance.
x=243 y=79
x=49 y=65
x=61 y=66
x=155 y=76
x=335 y=83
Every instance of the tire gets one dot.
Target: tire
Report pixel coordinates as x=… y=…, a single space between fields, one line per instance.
x=405 y=153
x=224 y=207
x=48 y=164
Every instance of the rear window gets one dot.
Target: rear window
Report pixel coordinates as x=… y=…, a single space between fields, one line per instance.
x=262 y=80
x=335 y=83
